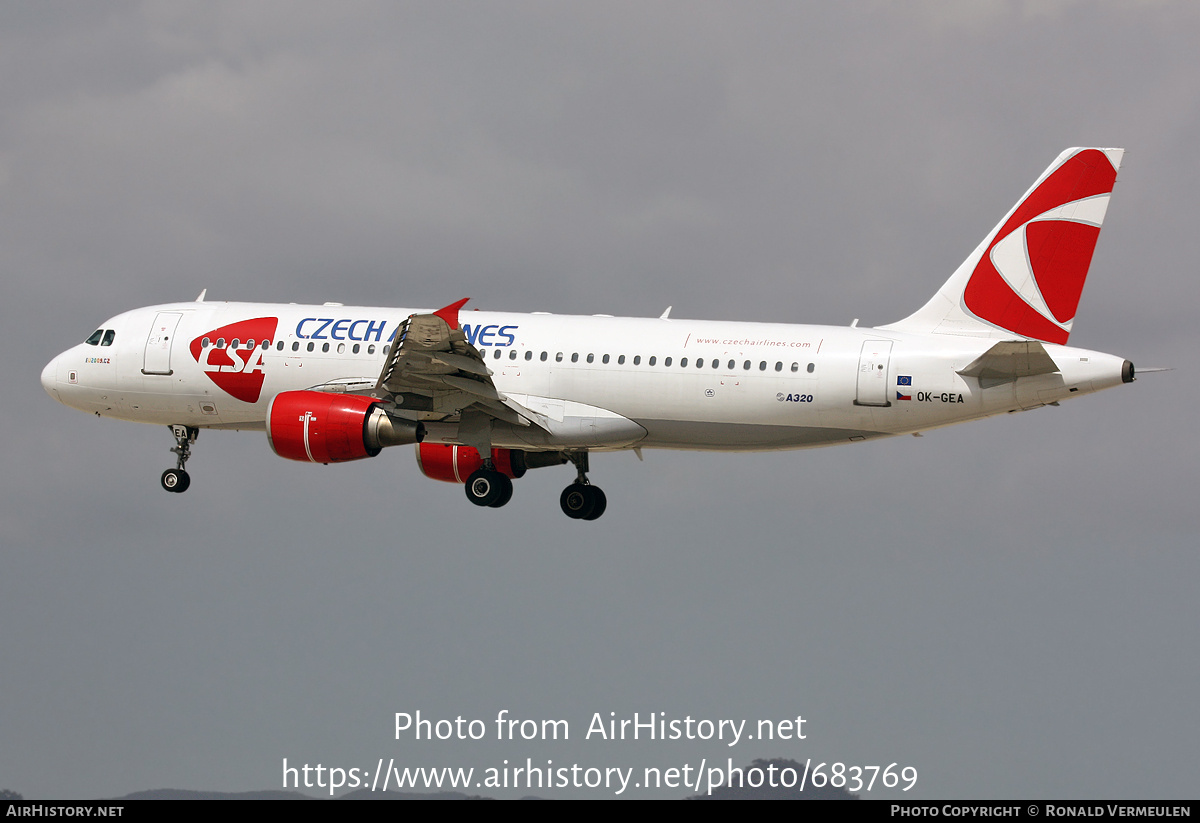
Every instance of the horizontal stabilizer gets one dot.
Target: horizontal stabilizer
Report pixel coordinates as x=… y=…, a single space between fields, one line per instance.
x=1008 y=360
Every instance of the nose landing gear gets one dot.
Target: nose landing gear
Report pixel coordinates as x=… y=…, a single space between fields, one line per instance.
x=177 y=480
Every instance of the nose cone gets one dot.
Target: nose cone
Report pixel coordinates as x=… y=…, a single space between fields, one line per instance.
x=50 y=379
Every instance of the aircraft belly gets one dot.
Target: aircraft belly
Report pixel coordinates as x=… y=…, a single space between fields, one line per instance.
x=702 y=436
x=565 y=423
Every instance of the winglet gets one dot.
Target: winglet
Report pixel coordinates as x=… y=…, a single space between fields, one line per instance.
x=450 y=313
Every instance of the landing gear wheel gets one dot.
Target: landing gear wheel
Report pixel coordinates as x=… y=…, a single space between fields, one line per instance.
x=574 y=501
x=176 y=480
x=506 y=494
x=488 y=487
x=580 y=502
x=599 y=504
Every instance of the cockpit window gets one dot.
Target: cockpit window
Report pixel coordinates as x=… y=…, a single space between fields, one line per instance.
x=94 y=340
x=109 y=336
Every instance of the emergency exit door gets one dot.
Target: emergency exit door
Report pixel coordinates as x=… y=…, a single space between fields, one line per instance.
x=873 y=362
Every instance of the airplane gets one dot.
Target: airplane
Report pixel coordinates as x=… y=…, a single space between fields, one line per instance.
x=486 y=396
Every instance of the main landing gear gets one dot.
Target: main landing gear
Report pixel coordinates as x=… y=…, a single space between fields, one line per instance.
x=581 y=500
x=176 y=479
x=488 y=487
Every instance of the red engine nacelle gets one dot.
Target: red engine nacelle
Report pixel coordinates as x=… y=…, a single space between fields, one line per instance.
x=319 y=427
x=454 y=464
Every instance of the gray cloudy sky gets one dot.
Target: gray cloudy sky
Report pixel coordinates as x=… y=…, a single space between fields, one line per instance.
x=1007 y=606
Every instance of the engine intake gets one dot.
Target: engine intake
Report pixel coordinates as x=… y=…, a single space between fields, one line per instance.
x=320 y=427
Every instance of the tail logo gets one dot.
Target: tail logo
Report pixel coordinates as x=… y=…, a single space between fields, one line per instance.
x=232 y=356
x=1031 y=274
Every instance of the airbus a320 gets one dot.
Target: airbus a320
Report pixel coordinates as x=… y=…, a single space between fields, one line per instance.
x=487 y=396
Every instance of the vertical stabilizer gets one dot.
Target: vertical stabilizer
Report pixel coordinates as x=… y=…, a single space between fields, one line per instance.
x=1026 y=277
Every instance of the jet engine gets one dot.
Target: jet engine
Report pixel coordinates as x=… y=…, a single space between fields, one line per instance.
x=321 y=427
x=454 y=464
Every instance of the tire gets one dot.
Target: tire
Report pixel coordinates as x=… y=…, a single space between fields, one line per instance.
x=484 y=487
x=506 y=491
x=577 y=501
x=175 y=480
x=599 y=504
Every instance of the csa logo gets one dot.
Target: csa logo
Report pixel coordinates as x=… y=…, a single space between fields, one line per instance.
x=237 y=370
x=1031 y=275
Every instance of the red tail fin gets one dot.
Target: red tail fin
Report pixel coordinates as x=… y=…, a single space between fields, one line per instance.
x=1026 y=277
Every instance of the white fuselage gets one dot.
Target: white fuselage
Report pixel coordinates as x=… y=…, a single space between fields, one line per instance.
x=606 y=382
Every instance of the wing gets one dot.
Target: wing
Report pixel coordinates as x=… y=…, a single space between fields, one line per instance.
x=433 y=368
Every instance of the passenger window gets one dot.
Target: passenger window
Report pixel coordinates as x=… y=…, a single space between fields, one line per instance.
x=251 y=344
x=529 y=355
x=591 y=357
x=637 y=360
x=574 y=357
x=94 y=340
x=699 y=362
x=296 y=346
x=496 y=354
x=762 y=366
x=279 y=345
x=356 y=349
x=512 y=355
x=604 y=359
x=545 y=354
x=341 y=348
x=234 y=343
x=266 y=344
x=205 y=343
x=311 y=346
x=795 y=367
x=324 y=347
x=666 y=361
x=558 y=357
x=371 y=349
x=811 y=366
x=109 y=336
x=220 y=342
x=778 y=365
x=620 y=360
x=716 y=364
x=746 y=365
x=732 y=364
x=653 y=360
x=682 y=363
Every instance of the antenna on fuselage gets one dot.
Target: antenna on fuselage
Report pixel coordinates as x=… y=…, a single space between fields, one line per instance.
x=200 y=297
x=666 y=315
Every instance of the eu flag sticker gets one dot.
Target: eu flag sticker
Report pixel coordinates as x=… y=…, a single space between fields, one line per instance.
x=904 y=380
